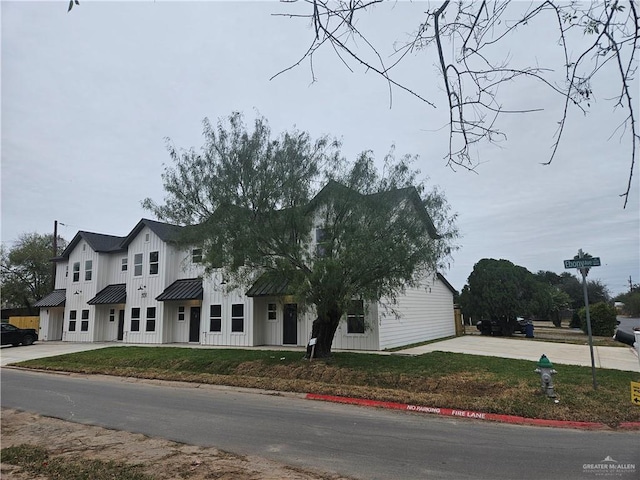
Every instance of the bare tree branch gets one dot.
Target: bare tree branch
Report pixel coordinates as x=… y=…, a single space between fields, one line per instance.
x=471 y=76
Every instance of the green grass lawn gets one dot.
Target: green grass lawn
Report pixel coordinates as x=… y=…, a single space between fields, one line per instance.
x=436 y=379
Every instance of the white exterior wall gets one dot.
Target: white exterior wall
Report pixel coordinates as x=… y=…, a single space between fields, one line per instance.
x=425 y=313
x=61 y=278
x=359 y=341
x=78 y=293
x=215 y=293
x=115 y=274
x=271 y=332
x=142 y=290
x=51 y=323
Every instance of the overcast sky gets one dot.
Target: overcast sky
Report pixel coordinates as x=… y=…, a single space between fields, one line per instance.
x=89 y=97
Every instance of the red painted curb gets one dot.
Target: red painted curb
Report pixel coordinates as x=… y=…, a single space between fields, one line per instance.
x=450 y=412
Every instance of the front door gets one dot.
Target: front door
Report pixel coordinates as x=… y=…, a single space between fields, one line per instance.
x=290 y=324
x=120 y=325
x=194 y=325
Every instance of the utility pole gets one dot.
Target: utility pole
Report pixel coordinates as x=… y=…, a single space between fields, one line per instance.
x=55 y=254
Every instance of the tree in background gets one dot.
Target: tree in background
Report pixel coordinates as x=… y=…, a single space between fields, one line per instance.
x=558 y=299
x=499 y=291
x=631 y=301
x=596 y=290
x=26 y=270
x=469 y=44
x=258 y=203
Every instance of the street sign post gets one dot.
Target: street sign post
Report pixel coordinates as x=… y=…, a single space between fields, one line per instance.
x=583 y=264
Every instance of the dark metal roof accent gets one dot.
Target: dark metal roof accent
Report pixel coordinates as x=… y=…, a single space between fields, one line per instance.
x=54 y=299
x=268 y=287
x=186 y=289
x=98 y=242
x=165 y=231
x=110 y=295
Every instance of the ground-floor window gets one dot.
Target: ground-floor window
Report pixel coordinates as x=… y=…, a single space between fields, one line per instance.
x=271 y=311
x=355 y=317
x=112 y=314
x=72 y=320
x=215 y=318
x=181 y=313
x=237 y=317
x=151 y=319
x=84 y=324
x=135 y=319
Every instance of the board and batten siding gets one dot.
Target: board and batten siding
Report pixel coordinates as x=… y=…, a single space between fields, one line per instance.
x=425 y=313
x=216 y=294
x=359 y=341
x=79 y=292
x=61 y=274
x=142 y=290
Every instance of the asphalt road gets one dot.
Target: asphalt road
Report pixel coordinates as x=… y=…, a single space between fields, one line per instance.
x=362 y=442
x=627 y=324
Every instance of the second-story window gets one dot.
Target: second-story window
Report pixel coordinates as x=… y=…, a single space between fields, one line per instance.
x=76 y=271
x=322 y=243
x=196 y=255
x=137 y=265
x=88 y=270
x=153 y=263
x=125 y=264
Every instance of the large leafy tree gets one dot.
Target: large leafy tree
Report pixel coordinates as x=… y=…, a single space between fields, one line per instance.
x=499 y=291
x=26 y=269
x=259 y=204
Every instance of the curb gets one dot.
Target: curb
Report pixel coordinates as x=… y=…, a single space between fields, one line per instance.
x=450 y=412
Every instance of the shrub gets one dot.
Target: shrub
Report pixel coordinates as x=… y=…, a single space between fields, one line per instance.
x=603 y=319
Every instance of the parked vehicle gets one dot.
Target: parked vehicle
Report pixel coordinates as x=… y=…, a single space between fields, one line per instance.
x=12 y=335
x=503 y=326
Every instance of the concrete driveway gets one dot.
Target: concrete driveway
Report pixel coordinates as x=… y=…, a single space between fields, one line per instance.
x=9 y=354
x=617 y=358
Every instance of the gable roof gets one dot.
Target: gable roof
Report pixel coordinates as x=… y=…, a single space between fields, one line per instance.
x=165 y=231
x=395 y=196
x=99 y=242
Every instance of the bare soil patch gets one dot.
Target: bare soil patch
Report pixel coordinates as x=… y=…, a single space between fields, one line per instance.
x=162 y=459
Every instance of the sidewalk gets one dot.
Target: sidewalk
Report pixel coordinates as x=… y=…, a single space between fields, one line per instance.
x=616 y=358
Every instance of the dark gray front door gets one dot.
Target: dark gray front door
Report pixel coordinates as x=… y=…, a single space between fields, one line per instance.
x=290 y=324
x=120 y=324
x=194 y=325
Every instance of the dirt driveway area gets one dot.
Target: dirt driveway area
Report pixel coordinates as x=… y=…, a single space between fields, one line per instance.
x=162 y=459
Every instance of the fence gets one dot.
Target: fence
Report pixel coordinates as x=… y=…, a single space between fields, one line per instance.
x=25 y=322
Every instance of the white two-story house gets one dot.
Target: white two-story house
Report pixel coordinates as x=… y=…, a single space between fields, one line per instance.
x=144 y=289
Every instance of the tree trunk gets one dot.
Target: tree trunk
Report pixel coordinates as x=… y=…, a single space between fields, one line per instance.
x=323 y=330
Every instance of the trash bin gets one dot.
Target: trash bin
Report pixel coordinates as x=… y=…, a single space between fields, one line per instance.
x=624 y=337
x=528 y=330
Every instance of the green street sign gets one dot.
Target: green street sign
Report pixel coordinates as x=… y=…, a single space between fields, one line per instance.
x=582 y=263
